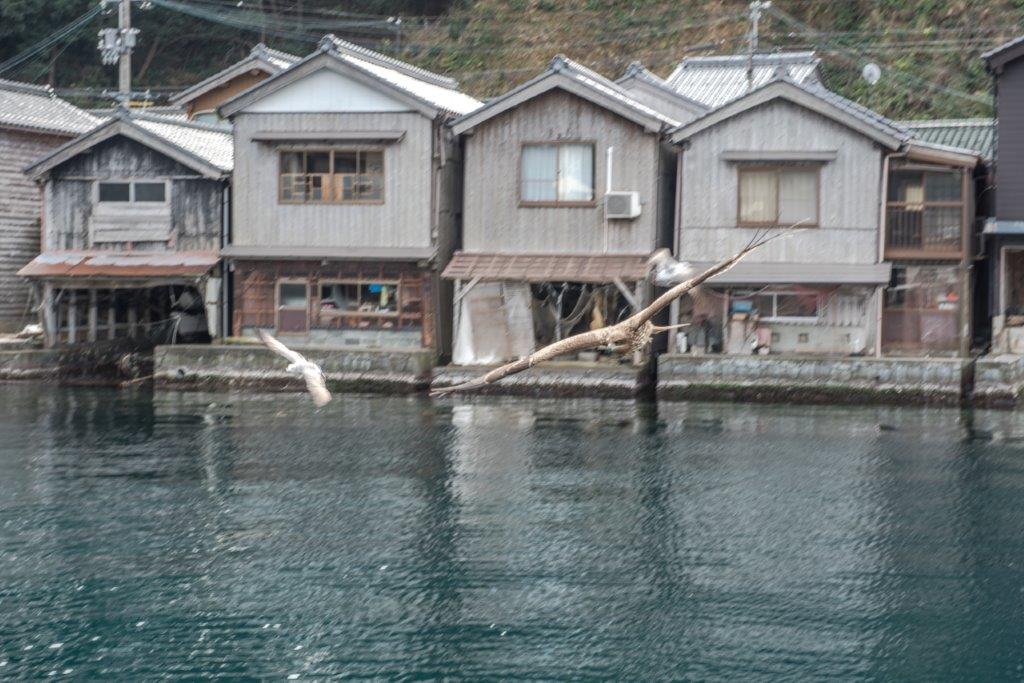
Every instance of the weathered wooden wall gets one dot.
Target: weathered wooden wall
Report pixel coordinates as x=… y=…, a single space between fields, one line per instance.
x=493 y=219
x=849 y=200
x=404 y=219
x=218 y=96
x=1010 y=143
x=192 y=219
x=20 y=211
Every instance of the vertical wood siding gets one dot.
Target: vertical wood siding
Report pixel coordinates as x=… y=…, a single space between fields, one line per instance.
x=195 y=202
x=849 y=189
x=403 y=220
x=493 y=219
x=20 y=210
x=1010 y=143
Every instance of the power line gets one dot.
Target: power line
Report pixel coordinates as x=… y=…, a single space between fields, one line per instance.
x=60 y=34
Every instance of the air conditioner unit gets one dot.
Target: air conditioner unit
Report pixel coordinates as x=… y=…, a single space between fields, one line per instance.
x=621 y=205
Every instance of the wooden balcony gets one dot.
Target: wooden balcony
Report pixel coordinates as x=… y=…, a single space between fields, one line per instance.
x=932 y=231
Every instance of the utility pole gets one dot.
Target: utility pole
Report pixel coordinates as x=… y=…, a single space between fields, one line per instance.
x=124 y=69
x=116 y=45
x=755 y=9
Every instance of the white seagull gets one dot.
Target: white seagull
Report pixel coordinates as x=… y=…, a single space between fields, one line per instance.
x=316 y=383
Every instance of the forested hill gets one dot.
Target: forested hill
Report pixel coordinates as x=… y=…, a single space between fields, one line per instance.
x=928 y=50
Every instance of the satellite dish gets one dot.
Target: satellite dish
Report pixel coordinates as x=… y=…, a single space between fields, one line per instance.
x=871 y=72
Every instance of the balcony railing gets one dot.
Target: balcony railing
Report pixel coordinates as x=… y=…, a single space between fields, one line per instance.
x=924 y=230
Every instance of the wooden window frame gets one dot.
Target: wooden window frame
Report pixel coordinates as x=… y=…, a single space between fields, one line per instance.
x=360 y=314
x=777 y=169
x=547 y=203
x=131 y=192
x=924 y=204
x=358 y=149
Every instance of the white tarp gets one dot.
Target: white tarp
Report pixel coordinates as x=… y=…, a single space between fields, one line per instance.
x=495 y=324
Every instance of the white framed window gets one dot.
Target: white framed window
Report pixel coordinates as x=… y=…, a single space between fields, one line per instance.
x=140 y=192
x=557 y=173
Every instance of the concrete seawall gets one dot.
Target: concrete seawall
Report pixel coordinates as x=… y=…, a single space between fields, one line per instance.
x=565 y=379
x=237 y=365
x=999 y=382
x=809 y=379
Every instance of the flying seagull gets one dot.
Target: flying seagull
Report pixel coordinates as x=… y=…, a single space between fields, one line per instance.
x=633 y=333
x=300 y=367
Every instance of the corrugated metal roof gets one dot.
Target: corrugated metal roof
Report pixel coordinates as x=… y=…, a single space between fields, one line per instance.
x=753 y=273
x=34 y=107
x=975 y=135
x=637 y=70
x=120 y=264
x=213 y=144
x=716 y=80
x=547 y=267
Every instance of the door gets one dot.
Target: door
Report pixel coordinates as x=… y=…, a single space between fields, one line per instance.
x=292 y=307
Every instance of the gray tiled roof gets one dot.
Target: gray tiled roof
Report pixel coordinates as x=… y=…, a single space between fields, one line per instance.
x=35 y=107
x=435 y=90
x=716 y=80
x=212 y=144
x=976 y=135
x=1000 y=48
x=869 y=116
x=273 y=60
x=639 y=71
x=596 y=81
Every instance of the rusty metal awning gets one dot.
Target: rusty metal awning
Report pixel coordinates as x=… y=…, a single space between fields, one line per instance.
x=547 y=267
x=120 y=264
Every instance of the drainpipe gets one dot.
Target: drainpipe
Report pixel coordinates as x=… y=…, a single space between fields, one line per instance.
x=225 y=237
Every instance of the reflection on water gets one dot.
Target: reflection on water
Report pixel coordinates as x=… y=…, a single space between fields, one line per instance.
x=183 y=535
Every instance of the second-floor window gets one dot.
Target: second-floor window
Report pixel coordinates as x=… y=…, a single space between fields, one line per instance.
x=924 y=211
x=781 y=196
x=332 y=176
x=140 y=192
x=557 y=173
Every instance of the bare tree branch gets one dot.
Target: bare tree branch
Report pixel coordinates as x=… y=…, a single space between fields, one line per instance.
x=635 y=331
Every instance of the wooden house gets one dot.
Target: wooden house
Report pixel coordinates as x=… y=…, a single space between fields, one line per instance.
x=200 y=101
x=33 y=122
x=857 y=279
x=134 y=212
x=1004 y=232
x=567 y=193
x=345 y=201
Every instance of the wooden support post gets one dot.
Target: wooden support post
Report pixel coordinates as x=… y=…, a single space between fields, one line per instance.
x=72 y=317
x=133 y=314
x=93 y=315
x=51 y=333
x=111 y=315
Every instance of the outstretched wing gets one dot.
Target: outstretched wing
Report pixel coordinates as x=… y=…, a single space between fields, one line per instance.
x=280 y=349
x=316 y=386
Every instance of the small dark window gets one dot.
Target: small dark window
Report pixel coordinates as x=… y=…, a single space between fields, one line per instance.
x=150 y=192
x=115 y=192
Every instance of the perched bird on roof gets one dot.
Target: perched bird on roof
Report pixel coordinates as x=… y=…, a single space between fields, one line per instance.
x=309 y=371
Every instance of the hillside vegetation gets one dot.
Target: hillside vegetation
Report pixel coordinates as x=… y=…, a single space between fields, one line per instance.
x=928 y=49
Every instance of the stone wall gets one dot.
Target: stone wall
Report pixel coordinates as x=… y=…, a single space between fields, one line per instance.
x=236 y=365
x=808 y=379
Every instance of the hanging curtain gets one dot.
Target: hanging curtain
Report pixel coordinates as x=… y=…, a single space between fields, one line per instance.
x=758 y=197
x=798 y=197
x=576 y=173
x=539 y=173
